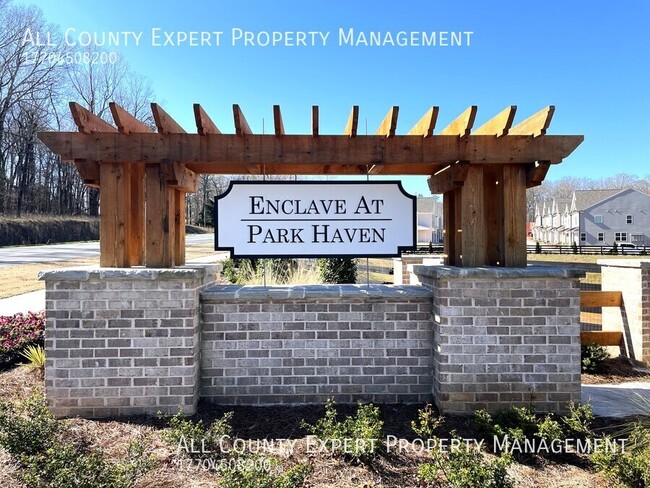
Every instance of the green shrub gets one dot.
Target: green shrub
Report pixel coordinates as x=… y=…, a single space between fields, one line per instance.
x=68 y=466
x=35 y=355
x=549 y=429
x=29 y=428
x=593 y=358
x=466 y=467
x=579 y=420
x=629 y=467
x=357 y=438
x=258 y=472
x=338 y=270
x=428 y=422
x=238 y=271
x=197 y=440
x=517 y=423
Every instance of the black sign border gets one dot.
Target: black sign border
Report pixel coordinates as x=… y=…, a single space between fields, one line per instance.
x=399 y=250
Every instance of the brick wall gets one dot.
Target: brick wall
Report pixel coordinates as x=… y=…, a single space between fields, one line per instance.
x=305 y=344
x=123 y=341
x=504 y=337
x=632 y=278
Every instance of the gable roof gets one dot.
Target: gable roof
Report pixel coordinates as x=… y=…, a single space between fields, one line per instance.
x=586 y=198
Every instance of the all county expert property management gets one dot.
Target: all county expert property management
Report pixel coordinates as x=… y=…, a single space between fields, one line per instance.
x=238 y=37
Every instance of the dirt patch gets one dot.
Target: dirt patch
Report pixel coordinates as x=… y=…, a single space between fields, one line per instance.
x=619 y=370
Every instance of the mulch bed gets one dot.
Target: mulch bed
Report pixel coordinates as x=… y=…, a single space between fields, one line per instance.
x=619 y=370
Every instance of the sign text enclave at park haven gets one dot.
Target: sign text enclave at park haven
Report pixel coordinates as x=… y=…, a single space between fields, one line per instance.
x=314 y=219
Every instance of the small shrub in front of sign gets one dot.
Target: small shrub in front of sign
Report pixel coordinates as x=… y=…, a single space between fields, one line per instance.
x=594 y=358
x=338 y=271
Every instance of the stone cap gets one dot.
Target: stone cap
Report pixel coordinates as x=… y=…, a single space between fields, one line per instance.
x=625 y=263
x=129 y=274
x=492 y=272
x=255 y=292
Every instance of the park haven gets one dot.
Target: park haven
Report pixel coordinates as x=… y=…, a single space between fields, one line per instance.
x=481 y=331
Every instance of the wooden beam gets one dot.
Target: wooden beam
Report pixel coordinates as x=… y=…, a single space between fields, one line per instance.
x=462 y=125
x=204 y=124
x=535 y=125
x=179 y=226
x=230 y=154
x=425 y=126
x=473 y=235
x=126 y=123
x=314 y=121
x=601 y=337
x=241 y=124
x=164 y=122
x=277 y=121
x=452 y=241
x=160 y=221
x=499 y=125
x=353 y=121
x=114 y=216
x=179 y=177
x=389 y=124
x=138 y=230
x=450 y=178
x=601 y=299
x=514 y=216
x=89 y=172
x=536 y=172
x=87 y=122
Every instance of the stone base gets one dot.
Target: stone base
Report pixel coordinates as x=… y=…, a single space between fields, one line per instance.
x=504 y=336
x=123 y=341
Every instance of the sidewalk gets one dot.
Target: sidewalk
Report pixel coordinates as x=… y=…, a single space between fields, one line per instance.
x=28 y=302
x=620 y=400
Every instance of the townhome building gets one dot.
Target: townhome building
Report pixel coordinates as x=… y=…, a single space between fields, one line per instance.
x=429 y=221
x=595 y=218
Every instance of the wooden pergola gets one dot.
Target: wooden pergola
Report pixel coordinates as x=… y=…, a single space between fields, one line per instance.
x=143 y=175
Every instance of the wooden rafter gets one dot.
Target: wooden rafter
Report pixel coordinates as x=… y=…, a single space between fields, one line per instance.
x=204 y=124
x=425 y=126
x=277 y=121
x=461 y=125
x=126 y=123
x=499 y=125
x=179 y=177
x=389 y=124
x=314 y=121
x=241 y=124
x=353 y=122
x=87 y=122
x=535 y=125
x=164 y=122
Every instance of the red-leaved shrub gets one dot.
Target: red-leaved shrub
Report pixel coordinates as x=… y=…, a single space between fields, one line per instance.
x=17 y=332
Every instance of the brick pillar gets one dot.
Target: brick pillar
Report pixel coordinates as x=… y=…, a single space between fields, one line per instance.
x=632 y=278
x=123 y=341
x=504 y=336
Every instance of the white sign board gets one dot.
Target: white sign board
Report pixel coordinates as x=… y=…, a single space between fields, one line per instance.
x=315 y=219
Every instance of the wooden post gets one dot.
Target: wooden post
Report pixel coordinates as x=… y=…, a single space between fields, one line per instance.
x=473 y=219
x=451 y=223
x=137 y=215
x=115 y=215
x=159 y=204
x=179 y=227
x=514 y=215
x=493 y=202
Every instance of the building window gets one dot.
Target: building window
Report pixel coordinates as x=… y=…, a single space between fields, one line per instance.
x=629 y=219
x=583 y=236
x=598 y=219
x=621 y=236
x=601 y=236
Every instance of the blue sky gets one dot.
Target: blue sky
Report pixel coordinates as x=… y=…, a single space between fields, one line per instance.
x=589 y=59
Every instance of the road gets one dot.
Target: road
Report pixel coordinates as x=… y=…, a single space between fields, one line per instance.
x=69 y=251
